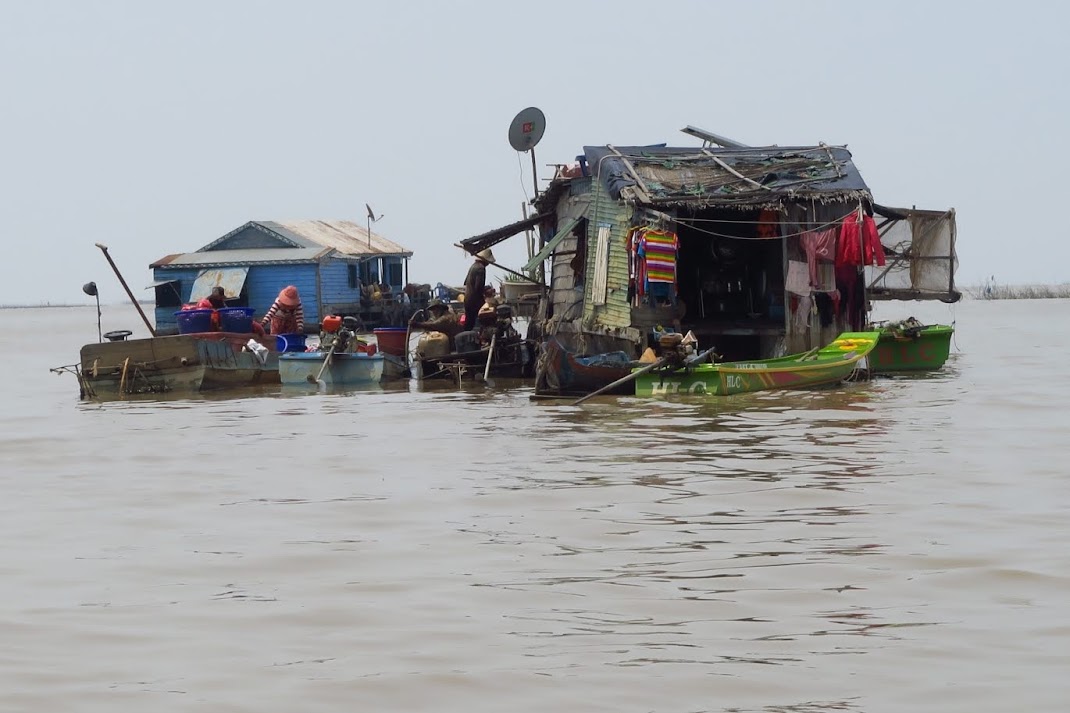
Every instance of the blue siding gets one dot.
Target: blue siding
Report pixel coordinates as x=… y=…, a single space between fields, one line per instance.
x=265 y=281
x=334 y=283
x=262 y=286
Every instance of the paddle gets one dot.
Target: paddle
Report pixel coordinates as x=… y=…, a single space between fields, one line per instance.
x=317 y=380
x=623 y=380
x=490 y=355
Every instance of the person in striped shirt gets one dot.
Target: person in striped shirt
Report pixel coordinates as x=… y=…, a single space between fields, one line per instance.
x=286 y=316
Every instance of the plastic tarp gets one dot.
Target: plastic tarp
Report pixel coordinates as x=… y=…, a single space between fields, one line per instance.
x=232 y=279
x=744 y=177
x=920 y=251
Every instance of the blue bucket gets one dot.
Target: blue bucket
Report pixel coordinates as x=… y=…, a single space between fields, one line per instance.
x=290 y=342
x=191 y=321
x=236 y=319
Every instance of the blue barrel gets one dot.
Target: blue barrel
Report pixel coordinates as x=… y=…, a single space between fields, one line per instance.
x=236 y=319
x=290 y=342
x=191 y=321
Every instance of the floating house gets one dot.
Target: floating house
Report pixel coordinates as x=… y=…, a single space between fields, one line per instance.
x=329 y=261
x=740 y=245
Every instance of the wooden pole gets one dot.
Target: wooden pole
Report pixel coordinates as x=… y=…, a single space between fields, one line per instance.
x=534 y=172
x=330 y=353
x=104 y=249
x=502 y=267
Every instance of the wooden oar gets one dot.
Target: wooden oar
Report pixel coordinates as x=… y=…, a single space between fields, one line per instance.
x=330 y=353
x=623 y=380
x=700 y=358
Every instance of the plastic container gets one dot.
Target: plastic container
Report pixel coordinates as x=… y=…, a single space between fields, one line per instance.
x=332 y=323
x=236 y=319
x=191 y=321
x=391 y=340
x=290 y=342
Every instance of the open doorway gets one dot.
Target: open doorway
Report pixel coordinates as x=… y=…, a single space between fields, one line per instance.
x=730 y=280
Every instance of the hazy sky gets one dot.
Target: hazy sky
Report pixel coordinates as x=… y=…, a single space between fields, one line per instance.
x=157 y=127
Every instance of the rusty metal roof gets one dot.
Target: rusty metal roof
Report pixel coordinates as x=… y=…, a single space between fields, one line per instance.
x=344 y=236
x=249 y=256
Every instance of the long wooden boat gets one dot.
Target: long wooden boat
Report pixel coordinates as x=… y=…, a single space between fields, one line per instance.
x=828 y=365
x=560 y=372
x=178 y=363
x=911 y=346
x=346 y=369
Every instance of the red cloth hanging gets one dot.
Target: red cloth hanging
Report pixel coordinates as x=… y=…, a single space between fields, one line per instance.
x=853 y=250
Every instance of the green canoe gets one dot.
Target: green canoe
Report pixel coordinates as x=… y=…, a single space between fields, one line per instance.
x=827 y=365
x=911 y=346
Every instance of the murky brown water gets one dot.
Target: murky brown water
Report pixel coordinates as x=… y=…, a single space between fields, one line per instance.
x=888 y=546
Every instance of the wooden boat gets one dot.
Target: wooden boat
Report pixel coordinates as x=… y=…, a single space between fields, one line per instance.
x=511 y=360
x=345 y=369
x=510 y=355
x=560 y=372
x=911 y=346
x=178 y=363
x=827 y=365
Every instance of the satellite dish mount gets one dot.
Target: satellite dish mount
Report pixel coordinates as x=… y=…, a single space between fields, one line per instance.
x=525 y=131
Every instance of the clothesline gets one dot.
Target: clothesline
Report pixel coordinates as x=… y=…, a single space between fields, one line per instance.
x=837 y=221
x=734 y=222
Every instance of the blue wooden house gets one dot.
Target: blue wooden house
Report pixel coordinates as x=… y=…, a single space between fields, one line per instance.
x=329 y=261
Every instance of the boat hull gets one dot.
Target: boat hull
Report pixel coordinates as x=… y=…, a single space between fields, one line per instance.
x=559 y=372
x=828 y=365
x=925 y=349
x=511 y=361
x=173 y=364
x=349 y=369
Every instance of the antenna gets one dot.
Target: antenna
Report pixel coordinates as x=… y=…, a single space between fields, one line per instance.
x=711 y=138
x=371 y=219
x=525 y=131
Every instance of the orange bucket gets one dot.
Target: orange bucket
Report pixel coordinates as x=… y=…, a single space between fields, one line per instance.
x=391 y=340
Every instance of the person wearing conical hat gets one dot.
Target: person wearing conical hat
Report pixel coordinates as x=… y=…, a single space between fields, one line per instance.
x=442 y=320
x=286 y=315
x=474 y=285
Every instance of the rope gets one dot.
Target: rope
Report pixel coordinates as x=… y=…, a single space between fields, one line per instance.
x=837 y=221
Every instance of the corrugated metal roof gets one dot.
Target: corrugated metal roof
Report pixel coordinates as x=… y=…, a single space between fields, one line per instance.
x=243 y=257
x=345 y=236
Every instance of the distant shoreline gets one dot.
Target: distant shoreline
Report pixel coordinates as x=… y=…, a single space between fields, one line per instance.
x=51 y=305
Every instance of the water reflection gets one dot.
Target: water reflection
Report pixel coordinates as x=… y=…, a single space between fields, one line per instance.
x=398 y=548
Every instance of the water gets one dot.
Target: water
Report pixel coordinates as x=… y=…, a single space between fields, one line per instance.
x=887 y=546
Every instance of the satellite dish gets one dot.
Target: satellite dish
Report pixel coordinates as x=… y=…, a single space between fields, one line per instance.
x=527 y=129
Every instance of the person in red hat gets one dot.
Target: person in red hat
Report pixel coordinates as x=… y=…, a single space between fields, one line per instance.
x=286 y=316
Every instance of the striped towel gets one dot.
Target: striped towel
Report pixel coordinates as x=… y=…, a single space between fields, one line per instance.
x=659 y=253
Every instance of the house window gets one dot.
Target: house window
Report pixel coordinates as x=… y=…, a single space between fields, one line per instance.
x=169 y=294
x=354 y=280
x=394 y=275
x=369 y=272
